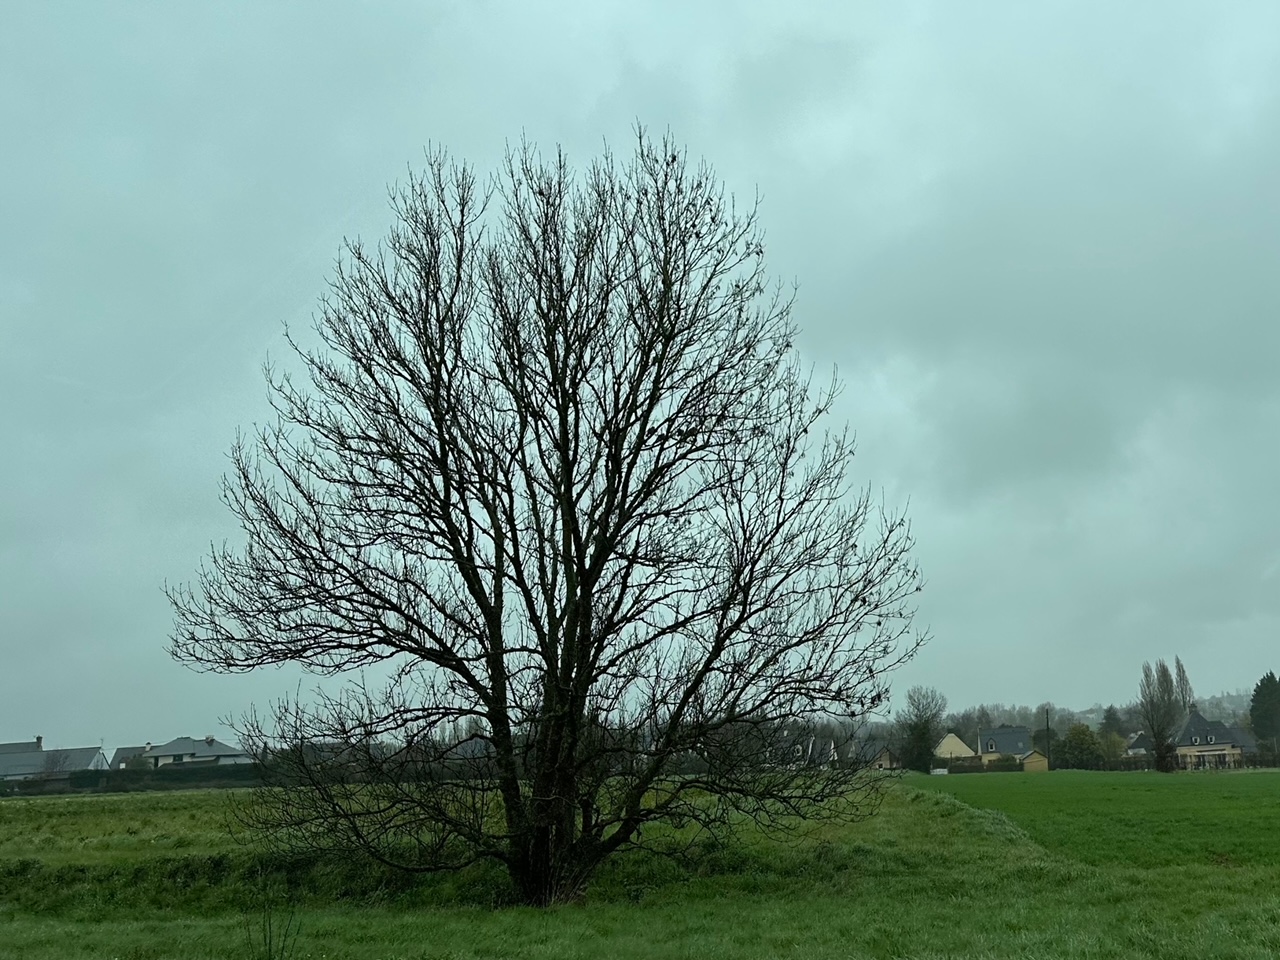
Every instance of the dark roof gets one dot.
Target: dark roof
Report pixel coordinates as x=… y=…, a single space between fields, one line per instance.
x=1141 y=741
x=36 y=762
x=870 y=749
x=1005 y=739
x=125 y=753
x=1197 y=731
x=22 y=746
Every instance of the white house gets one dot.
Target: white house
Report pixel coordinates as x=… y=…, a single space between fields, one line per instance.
x=184 y=750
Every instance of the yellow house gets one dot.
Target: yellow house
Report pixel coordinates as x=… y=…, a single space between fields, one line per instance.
x=1004 y=740
x=1033 y=761
x=952 y=748
x=1211 y=744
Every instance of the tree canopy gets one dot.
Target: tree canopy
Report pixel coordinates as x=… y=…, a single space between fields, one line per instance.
x=555 y=470
x=1079 y=749
x=1161 y=704
x=920 y=726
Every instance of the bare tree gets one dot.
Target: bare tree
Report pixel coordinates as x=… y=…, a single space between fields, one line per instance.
x=1186 y=696
x=556 y=471
x=920 y=726
x=1161 y=707
x=57 y=764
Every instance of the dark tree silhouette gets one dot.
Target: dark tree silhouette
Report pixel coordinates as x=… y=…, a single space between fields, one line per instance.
x=1186 y=695
x=1160 y=703
x=1264 y=711
x=920 y=726
x=555 y=471
x=1112 y=722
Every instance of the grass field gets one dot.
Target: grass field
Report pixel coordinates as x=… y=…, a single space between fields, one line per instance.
x=994 y=866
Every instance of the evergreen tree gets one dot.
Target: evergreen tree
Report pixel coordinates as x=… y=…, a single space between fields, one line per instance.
x=1112 y=722
x=1264 y=708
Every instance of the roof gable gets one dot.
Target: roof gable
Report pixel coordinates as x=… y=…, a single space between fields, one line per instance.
x=1197 y=731
x=954 y=746
x=125 y=753
x=1005 y=739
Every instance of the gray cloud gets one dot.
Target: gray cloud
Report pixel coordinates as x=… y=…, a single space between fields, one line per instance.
x=1039 y=244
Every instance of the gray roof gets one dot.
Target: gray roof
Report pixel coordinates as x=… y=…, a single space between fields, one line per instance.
x=1141 y=741
x=1005 y=739
x=33 y=763
x=204 y=748
x=1197 y=731
x=22 y=746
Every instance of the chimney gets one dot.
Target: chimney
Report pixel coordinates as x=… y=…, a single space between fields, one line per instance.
x=147 y=748
x=209 y=740
x=39 y=743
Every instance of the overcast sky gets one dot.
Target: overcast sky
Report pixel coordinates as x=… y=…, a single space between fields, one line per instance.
x=1039 y=241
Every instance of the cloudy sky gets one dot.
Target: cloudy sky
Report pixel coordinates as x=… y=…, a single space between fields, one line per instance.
x=1039 y=241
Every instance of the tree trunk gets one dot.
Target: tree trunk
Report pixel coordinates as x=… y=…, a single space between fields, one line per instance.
x=552 y=872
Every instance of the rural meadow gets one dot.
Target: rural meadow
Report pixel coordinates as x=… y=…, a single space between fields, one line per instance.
x=493 y=481
x=1070 y=864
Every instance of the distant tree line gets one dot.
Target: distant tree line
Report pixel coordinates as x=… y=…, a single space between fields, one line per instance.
x=1097 y=738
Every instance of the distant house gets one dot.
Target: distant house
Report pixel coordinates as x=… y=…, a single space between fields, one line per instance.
x=816 y=750
x=123 y=754
x=28 y=760
x=1211 y=744
x=1004 y=740
x=1202 y=744
x=184 y=750
x=952 y=748
x=874 y=754
x=1140 y=745
x=1033 y=761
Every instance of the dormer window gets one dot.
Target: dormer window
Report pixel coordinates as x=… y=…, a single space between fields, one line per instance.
x=991 y=746
x=1195 y=740
x=1211 y=739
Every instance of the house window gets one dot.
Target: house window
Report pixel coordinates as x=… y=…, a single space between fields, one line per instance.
x=1211 y=739
x=1195 y=740
x=991 y=746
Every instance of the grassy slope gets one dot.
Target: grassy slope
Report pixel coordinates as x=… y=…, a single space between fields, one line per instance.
x=930 y=877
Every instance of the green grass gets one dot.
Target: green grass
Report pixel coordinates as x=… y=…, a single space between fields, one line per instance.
x=1058 y=865
x=1136 y=819
x=110 y=828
